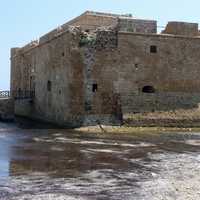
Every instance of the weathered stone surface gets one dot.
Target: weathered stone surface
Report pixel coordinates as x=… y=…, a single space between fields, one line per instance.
x=104 y=75
x=93 y=20
x=6 y=109
x=23 y=107
x=182 y=28
x=137 y=25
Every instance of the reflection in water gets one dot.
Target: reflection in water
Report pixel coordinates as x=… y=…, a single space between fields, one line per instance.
x=63 y=164
x=6 y=141
x=70 y=155
x=4 y=164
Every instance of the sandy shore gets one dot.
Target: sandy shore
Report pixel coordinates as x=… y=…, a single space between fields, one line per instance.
x=127 y=130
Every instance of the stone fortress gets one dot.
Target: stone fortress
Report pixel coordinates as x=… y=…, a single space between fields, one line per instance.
x=100 y=67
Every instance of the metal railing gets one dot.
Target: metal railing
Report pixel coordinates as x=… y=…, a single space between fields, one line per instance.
x=4 y=94
x=23 y=94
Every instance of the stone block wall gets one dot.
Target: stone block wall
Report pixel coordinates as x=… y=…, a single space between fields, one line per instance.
x=160 y=101
x=106 y=39
x=101 y=80
x=6 y=109
x=137 y=25
x=92 y=22
x=182 y=28
x=54 y=64
x=23 y=107
x=172 y=70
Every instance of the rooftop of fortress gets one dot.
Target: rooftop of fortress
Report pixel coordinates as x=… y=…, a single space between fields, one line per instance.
x=103 y=14
x=173 y=29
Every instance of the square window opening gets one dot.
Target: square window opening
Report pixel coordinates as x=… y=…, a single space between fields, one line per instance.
x=49 y=85
x=153 y=49
x=94 y=87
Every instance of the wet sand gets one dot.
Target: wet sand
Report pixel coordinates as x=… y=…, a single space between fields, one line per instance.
x=67 y=165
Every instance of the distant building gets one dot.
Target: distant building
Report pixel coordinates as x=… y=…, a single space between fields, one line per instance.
x=100 y=66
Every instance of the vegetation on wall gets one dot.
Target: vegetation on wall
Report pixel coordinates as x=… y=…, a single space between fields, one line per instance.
x=87 y=40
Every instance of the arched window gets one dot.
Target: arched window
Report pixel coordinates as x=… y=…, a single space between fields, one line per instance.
x=148 y=89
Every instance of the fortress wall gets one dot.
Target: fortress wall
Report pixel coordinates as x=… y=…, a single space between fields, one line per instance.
x=7 y=109
x=48 y=37
x=74 y=83
x=92 y=22
x=55 y=68
x=173 y=70
x=137 y=25
x=54 y=34
x=20 y=71
x=55 y=63
x=182 y=28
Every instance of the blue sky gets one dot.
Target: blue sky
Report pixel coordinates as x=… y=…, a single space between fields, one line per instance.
x=24 y=20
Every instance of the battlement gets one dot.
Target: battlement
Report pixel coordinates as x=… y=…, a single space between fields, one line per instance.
x=29 y=46
x=125 y=22
x=92 y=21
x=182 y=28
x=108 y=14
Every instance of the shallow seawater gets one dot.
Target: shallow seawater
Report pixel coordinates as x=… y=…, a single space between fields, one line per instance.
x=64 y=164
